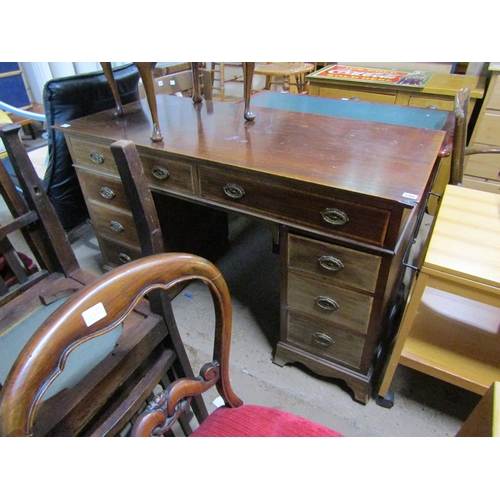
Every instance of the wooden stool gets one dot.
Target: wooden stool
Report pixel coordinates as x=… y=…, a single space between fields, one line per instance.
x=285 y=70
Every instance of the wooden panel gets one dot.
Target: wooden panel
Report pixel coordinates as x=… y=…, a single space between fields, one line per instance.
x=339 y=345
x=488 y=132
x=353 y=308
x=486 y=166
x=341 y=93
x=494 y=95
x=427 y=102
x=360 y=270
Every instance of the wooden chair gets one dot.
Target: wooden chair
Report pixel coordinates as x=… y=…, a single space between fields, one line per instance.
x=284 y=71
x=97 y=309
x=460 y=149
x=132 y=359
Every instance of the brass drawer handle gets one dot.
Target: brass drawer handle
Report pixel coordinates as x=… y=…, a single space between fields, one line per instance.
x=234 y=191
x=124 y=258
x=107 y=193
x=116 y=226
x=334 y=216
x=323 y=339
x=326 y=303
x=330 y=263
x=160 y=173
x=96 y=157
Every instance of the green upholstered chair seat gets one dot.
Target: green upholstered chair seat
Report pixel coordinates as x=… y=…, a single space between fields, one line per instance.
x=80 y=362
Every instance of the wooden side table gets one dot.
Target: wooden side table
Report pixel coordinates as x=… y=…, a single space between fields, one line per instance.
x=451 y=325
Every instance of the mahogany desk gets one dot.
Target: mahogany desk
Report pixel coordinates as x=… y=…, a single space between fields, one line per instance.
x=345 y=196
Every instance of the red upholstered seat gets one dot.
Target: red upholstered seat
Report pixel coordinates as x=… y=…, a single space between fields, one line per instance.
x=259 y=421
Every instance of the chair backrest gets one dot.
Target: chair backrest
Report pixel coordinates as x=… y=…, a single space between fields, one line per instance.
x=100 y=307
x=65 y=99
x=33 y=229
x=460 y=111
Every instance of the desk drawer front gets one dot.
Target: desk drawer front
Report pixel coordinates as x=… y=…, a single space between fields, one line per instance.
x=103 y=189
x=330 y=215
x=168 y=173
x=325 y=339
x=333 y=263
x=486 y=166
x=114 y=224
x=347 y=94
x=494 y=95
x=432 y=103
x=489 y=128
x=329 y=302
x=94 y=155
x=115 y=253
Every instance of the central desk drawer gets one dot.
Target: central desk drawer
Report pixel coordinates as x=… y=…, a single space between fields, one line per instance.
x=329 y=302
x=267 y=196
x=358 y=95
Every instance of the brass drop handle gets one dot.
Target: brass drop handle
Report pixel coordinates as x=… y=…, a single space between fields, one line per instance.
x=334 y=216
x=330 y=263
x=96 y=157
x=116 y=226
x=124 y=258
x=234 y=191
x=107 y=193
x=323 y=339
x=161 y=173
x=326 y=303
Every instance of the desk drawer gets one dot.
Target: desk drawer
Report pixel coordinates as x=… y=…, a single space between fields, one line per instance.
x=431 y=102
x=324 y=339
x=486 y=166
x=329 y=302
x=265 y=195
x=334 y=263
x=94 y=155
x=103 y=189
x=494 y=95
x=347 y=94
x=116 y=253
x=488 y=131
x=116 y=225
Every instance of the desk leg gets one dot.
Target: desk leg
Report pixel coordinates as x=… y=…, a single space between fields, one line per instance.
x=412 y=305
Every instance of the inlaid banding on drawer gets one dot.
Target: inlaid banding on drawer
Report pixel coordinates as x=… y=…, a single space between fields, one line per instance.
x=265 y=195
x=329 y=302
x=334 y=263
x=324 y=339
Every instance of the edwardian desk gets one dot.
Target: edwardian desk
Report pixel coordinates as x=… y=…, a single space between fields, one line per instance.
x=345 y=197
x=450 y=329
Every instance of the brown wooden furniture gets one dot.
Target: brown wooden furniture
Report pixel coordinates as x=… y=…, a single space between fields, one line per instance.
x=134 y=358
x=284 y=71
x=460 y=150
x=450 y=326
x=482 y=171
x=146 y=70
x=345 y=201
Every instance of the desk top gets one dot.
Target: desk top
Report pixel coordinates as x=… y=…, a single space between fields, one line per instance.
x=362 y=159
x=465 y=241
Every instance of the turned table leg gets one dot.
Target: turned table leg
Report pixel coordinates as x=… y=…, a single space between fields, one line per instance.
x=248 y=69
x=108 y=73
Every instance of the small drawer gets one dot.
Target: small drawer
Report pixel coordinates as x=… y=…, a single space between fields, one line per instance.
x=356 y=95
x=431 y=103
x=324 y=339
x=115 y=254
x=486 y=166
x=488 y=131
x=94 y=155
x=329 y=302
x=333 y=262
x=103 y=189
x=114 y=224
x=265 y=195
x=168 y=173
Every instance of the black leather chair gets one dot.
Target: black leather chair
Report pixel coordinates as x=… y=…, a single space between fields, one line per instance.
x=66 y=99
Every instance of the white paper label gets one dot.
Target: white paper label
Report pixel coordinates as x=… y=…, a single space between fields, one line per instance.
x=94 y=314
x=411 y=196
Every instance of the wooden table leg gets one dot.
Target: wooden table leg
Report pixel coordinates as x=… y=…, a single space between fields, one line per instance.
x=248 y=69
